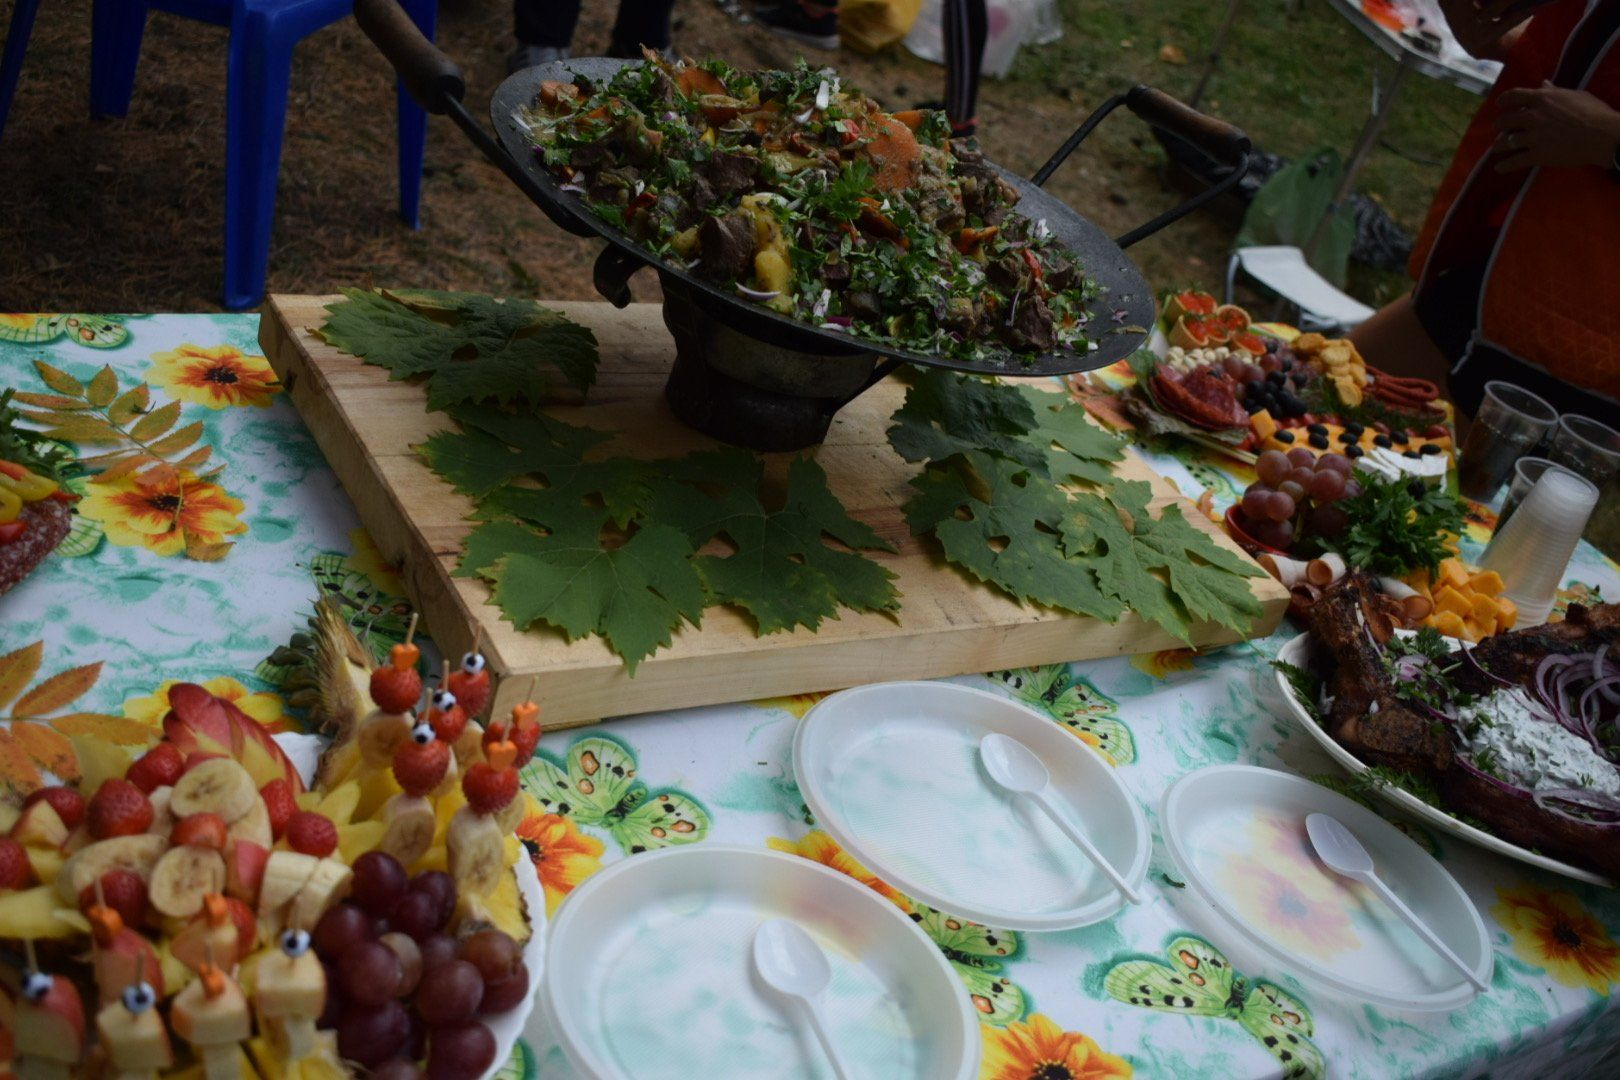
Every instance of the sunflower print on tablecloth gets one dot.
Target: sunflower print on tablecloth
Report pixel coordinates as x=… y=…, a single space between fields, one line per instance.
x=264 y=707
x=1198 y=980
x=177 y=513
x=1278 y=883
x=1037 y=1049
x=1552 y=930
x=818 y=847
x=217 y=376
x=563 y=856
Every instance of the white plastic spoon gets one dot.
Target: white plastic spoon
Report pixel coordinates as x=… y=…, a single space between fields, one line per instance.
x=1339 y=849
x=791 y=963
x=1015 y=767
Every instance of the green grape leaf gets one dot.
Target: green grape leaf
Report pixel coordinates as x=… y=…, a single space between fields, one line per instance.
x=945 y=413
x=470 y=347
x=1073 y=448
x=1108 y=544
x=783 y=572
x=495 y=449
x=1004 y=524
x=635 y=596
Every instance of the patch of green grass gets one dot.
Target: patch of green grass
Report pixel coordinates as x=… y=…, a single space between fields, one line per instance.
x=1293 y=82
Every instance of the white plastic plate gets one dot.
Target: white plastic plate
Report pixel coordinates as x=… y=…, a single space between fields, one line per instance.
x=891 y=771
x=1237 y=835
x=1298 y=653
x=650 y=974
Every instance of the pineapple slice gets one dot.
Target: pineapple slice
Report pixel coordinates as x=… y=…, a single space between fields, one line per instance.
x=39 y=913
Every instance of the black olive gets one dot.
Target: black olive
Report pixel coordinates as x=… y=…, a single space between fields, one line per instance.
x=1411 y=454
x=1284 y=436
x=1431 y=448
x=1353 y=452
x=1382 y=440
x=1318 y=440
x=1398 y=437
x=1355 y=429
x=1346 y=437
x=1275 y=378
x=1317 y=429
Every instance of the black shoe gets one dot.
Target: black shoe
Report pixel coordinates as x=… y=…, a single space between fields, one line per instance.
x=809 y=23
x=528 y=56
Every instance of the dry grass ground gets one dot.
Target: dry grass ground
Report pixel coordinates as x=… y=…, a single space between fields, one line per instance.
x=126 y=215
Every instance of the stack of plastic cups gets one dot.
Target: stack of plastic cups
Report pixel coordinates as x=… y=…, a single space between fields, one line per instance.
x=1532 y=551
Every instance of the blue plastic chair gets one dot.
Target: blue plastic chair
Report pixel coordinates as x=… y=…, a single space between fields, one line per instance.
x=263 y=35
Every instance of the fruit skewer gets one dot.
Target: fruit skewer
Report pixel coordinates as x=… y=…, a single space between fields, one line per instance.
x=420 y=765
x=131 y=1032
x=475 y=843
x=396 y=687
x=212 y=1015
x=290 y=995
x=49 y=1039
x=470 y=682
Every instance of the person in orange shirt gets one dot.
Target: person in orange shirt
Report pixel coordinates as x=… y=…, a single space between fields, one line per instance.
x=1518 y=265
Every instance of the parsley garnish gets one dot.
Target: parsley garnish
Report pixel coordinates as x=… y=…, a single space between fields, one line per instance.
x=1393 y=531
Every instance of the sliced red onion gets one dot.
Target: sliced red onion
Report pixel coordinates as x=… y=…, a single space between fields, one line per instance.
x=1468 y=657
x=572 y=189
x=1474 y=770
x=670 y=116
x=804 y=117
x=830 y=325
x=756 y=295
x=1408 y=666
x=823 y=95
x=1041 y=230
x=843 y=322
x=822 y=301
x=1603 y=811
x=1600 y=672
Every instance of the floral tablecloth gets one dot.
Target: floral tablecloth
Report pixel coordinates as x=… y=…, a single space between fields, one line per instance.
x=204 y=577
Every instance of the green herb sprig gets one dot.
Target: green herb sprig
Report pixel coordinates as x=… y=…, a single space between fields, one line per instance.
x=1394 y=531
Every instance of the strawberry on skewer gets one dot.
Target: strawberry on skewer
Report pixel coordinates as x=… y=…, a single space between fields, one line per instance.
x=470 y=682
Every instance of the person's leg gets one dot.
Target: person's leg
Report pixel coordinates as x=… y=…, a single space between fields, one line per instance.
x=640 y=22
x=809 y=22
x=545 y=22
x=544 y=30
x=966 y=28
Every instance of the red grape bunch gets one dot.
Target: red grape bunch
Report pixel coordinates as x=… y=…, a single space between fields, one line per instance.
x=1296 y=495
x=403 y=994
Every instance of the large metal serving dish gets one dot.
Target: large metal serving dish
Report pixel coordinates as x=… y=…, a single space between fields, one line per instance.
x=744 y=373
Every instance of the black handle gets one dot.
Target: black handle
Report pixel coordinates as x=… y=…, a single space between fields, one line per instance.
x=430 y=77
x=1223 y=142
x=1220 y=140
x=612 y=272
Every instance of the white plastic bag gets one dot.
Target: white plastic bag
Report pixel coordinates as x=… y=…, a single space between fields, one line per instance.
x=1011 y=23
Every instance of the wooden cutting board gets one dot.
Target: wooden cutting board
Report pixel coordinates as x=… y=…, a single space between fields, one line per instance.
x=948 y=624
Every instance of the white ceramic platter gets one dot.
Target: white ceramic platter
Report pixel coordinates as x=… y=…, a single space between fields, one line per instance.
x=891 y=771
x=650 y=974
x=1299 y=653
x=1237 y=835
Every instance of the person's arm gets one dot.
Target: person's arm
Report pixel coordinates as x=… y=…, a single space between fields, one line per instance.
x=1487 y=29
x=1549 y=125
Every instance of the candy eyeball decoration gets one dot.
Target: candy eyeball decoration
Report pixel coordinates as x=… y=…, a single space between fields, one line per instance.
x=140 y=997
x=295 y=943
x=472 y=663
x=443 y=700
x=422 y=734
x=36 y=984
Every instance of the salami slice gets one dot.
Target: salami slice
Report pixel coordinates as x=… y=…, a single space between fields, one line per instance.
x=1200 y=398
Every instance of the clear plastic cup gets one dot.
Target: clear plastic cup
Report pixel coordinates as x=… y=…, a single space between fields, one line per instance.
x=1582 y=445
x=1526 y=471
x=1531 y=552
x=1509 y=424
